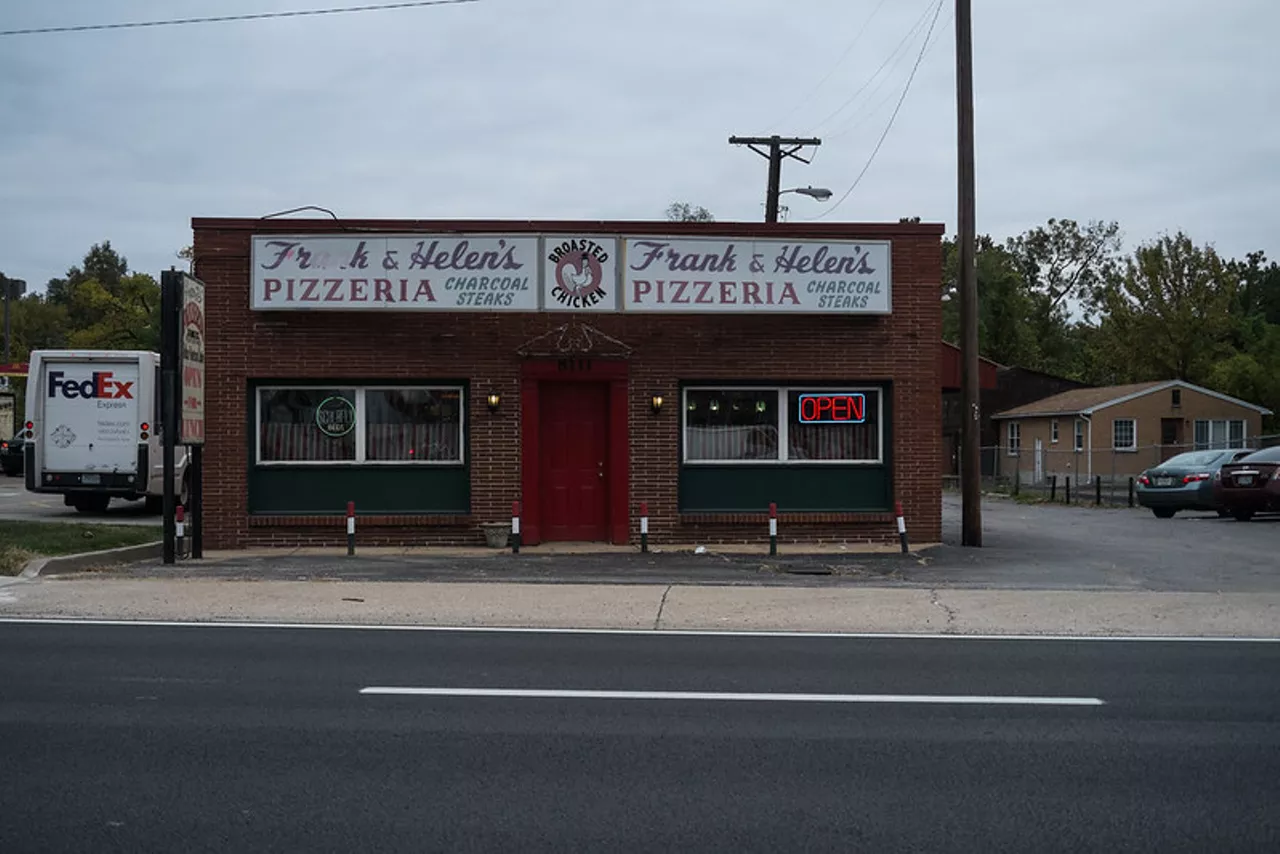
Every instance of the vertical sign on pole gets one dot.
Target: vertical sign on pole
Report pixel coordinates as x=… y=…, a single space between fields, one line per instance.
x=192 y=349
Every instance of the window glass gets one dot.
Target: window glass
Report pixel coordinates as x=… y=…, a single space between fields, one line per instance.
x=1123 y=434
x=413 y=425
x=307 y=425
x=1079 y=435
x=740 y=424
x=1236 y=439
x=833 y=425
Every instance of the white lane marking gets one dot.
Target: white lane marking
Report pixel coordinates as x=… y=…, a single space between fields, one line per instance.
x=722 y=633
x=559 y=694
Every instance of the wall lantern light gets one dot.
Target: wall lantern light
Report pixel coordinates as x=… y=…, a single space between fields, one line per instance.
x=655 y=403
x=494 y=401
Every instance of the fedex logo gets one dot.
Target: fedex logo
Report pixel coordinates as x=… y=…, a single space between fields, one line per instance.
x=100 y=385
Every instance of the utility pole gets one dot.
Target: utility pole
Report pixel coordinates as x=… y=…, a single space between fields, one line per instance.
x=970 y=435
x=778 y=147
x=13 y=289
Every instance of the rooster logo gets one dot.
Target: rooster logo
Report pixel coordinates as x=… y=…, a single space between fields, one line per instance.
x=578 y=274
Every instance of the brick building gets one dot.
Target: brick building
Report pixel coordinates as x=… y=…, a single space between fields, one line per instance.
x=434 y=371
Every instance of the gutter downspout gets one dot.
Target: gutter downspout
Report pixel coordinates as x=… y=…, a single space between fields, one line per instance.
x=1088 y=420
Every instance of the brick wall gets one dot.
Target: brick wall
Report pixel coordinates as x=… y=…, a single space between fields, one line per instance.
x=244 y=345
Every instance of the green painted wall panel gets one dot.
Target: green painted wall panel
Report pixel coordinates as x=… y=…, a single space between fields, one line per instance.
x=374 y=489
x=809 y=488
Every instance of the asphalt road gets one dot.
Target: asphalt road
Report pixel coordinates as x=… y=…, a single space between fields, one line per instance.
x=18 y=504
x=158 y=738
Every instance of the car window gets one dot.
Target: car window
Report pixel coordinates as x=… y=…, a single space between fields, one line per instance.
x=1266 y=455
x=1195 y=458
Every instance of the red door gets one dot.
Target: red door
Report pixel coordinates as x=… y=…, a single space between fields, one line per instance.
x=573 y=459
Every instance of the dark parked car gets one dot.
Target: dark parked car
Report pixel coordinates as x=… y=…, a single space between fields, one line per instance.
x=1250 y=485
x=11 y=451
x=1184 y=482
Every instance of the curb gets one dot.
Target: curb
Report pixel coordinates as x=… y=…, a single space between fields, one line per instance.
x=71 y=563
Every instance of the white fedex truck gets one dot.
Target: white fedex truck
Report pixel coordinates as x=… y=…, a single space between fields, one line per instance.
x=93 y=428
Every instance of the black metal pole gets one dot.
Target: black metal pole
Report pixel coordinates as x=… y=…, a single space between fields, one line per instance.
x=170 y=308
x=195 y=464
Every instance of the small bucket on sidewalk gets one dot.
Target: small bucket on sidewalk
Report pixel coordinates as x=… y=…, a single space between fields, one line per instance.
x=497 y=535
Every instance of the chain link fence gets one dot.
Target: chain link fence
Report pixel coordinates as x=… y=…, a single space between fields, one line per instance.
x=1105 y=477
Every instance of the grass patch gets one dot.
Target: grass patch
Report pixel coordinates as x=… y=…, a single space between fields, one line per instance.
x=23 y=541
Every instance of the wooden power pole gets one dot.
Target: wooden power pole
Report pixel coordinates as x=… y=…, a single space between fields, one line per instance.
x=971 y=423
x=777 y=147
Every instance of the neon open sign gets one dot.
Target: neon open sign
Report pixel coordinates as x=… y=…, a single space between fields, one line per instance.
x=833 y=408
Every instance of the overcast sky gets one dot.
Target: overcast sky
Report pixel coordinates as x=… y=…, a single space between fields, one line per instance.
x=1160 y=114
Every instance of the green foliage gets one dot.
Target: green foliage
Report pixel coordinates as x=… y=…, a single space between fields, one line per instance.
x=1170 y=312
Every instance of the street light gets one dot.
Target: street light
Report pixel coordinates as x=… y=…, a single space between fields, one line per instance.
x=819 y=193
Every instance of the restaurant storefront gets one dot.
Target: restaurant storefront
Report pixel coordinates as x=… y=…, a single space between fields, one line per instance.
x=433 y=373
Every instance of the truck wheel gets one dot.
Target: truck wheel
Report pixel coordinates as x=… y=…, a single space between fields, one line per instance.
x=1163 y=512
x=154 y=504
x=91 y=503
x=1243 y=515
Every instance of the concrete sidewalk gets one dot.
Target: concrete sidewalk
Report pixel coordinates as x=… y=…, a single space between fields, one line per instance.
x=650 y=607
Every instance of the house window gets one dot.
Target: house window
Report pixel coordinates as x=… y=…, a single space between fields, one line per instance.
x=1079 y=434
x=373 y=425
x=1124 y=434
x=1015 y=438
x=1176 y=396
x=782 y=425
x=1216 y=435
x=1053 y=431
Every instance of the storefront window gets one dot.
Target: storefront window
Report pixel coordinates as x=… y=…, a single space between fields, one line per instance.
x=782 y=425
x=833 y=426
x=360 y=425
x=731 y=424
x=411 y=425
x=314 y=425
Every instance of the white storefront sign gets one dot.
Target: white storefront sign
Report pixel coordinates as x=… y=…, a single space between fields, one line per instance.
x=420 y=272
x=575 y=273
x=718 y=274
x=192 y=346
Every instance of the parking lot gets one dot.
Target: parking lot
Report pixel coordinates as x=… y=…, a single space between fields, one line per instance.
x=1050 y=545
x=18 y=504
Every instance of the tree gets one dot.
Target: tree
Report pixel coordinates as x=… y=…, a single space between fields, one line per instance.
x=1004 y=304
x=188 y=254
x=1065 y=263
x=685 y=212
x=101 y=264
x=125 y=318
x=1168 y=315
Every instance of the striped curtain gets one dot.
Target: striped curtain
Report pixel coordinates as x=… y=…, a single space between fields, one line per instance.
x=291 y=443
x=440 y=442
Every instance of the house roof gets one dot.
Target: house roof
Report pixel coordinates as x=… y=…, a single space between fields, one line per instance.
x=1086 y=401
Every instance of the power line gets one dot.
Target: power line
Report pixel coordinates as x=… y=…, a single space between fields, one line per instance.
x=223 y=18
x=915 y=28
x=866 y=25
x=889 y=126
x=857 y=121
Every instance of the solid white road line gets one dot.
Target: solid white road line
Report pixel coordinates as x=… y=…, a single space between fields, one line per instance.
x=558 y=694
x=723 y=633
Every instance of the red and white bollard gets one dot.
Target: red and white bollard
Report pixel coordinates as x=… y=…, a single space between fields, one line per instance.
x=351 y=528
x=773 y=529
x=515 y=527
x=180 y=527
x=902 y=525
x=644 y=527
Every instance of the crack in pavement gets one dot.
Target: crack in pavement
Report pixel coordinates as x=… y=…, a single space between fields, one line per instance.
x=947 y=609
x=657 y=621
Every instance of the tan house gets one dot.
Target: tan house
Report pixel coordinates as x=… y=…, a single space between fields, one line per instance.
x=1118 y=431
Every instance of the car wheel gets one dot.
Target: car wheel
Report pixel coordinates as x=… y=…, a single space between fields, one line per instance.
x=1163 y=512
x=1242 y=515
x=1222 y=514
